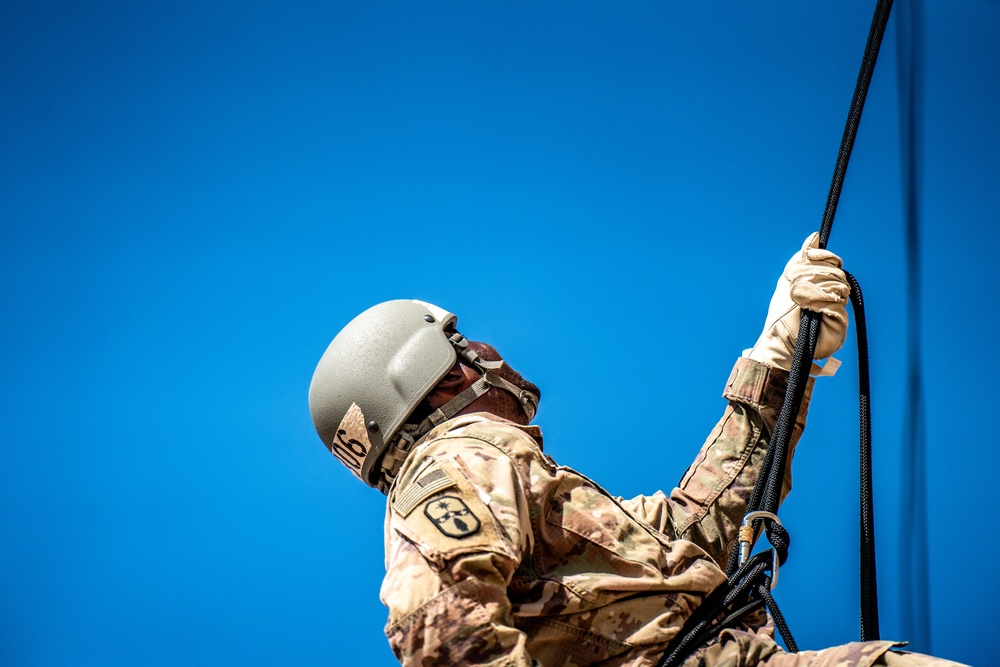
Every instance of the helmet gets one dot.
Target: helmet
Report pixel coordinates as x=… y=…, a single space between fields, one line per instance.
x=373 y=375
x=377 y=371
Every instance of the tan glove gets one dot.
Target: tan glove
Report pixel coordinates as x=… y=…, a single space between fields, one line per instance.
x=813 y=280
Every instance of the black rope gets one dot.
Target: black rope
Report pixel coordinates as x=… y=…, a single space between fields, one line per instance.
x=715 y=614
x=720 y=609
x=809 y=335
x=805 y=349
x=879 y=21
x=869 y=585
x=779 y=619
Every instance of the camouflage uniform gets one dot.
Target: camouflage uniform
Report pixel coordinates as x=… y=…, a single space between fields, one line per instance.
x=496 y=555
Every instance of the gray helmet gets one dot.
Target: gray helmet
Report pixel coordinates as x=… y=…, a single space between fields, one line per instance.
x=377 y=371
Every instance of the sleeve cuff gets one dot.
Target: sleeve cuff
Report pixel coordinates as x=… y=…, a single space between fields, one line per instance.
x=762 y=387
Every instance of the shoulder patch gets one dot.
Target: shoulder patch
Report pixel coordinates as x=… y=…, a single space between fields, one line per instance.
x=452 y=516
x=444 y=515
x=431 y=481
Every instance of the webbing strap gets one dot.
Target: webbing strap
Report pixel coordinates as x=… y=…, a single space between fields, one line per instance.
x=527 y=400
x=455 y=405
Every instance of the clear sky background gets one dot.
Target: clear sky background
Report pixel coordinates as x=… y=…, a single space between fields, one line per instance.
x=196 y=196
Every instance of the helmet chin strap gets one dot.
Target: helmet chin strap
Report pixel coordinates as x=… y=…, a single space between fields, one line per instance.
x=526 y=399
x=396 y=453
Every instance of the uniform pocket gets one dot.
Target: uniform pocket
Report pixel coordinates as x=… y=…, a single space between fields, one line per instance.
x=593 y=546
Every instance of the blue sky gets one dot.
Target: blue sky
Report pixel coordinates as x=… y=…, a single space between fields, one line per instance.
x=195 y=197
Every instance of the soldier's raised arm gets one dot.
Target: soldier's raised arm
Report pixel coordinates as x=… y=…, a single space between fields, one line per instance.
x=708 y=504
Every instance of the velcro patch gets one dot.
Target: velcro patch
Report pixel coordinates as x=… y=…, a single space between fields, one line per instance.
x=435 y=479
x=351 y=444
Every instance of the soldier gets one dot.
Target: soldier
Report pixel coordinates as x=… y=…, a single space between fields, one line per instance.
x=496 y=555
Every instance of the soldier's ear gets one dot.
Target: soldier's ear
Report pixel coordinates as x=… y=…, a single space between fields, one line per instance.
x=451 y=385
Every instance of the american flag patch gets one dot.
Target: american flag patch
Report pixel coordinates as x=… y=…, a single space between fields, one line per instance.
x=429 y=483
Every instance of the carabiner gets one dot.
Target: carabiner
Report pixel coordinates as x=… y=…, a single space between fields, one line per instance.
x=747 y=539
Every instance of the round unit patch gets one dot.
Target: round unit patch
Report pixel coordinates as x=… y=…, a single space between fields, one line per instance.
x=452 y=516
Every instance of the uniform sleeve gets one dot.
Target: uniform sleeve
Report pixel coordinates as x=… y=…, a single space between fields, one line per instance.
x=709 y=503
x=454 y=536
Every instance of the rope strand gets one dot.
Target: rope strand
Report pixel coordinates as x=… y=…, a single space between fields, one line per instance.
x=869 y=584
x=748 y=586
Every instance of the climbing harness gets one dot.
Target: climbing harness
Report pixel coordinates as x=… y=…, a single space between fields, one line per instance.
x=751 y=578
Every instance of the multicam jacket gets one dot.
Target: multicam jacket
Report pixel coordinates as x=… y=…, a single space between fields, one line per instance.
x=496 y=555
